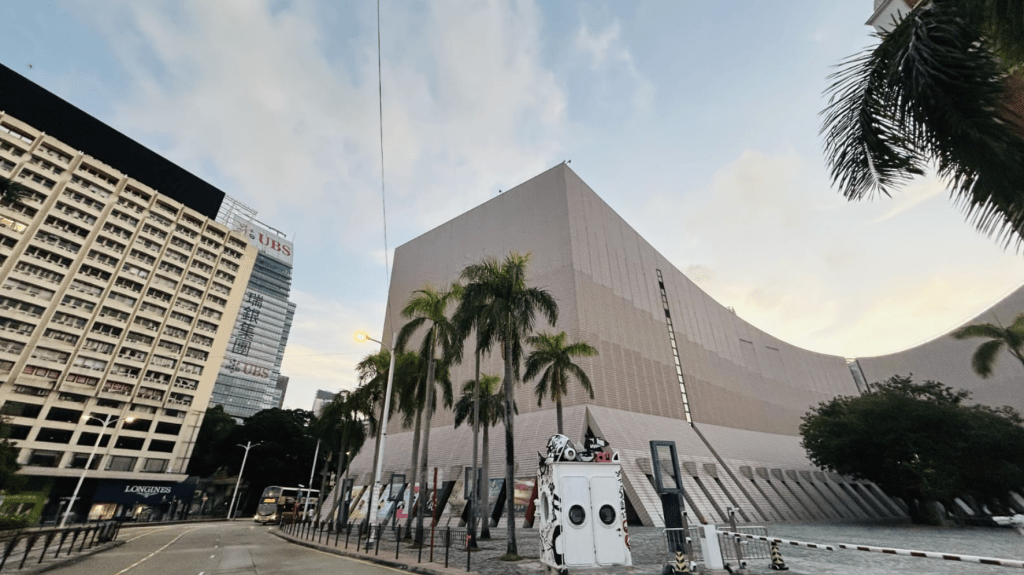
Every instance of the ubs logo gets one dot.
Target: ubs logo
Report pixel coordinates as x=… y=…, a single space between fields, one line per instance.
x=269 y=242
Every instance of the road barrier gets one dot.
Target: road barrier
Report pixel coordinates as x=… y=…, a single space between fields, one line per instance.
x=20 y=545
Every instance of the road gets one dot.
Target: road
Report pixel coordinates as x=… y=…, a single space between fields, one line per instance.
x=213 y=549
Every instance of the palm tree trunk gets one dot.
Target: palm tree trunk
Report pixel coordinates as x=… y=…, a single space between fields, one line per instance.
x=376 y=454
x=558 y=414
x=415 y=468
x=323 y=482
x=485 y=507
x=510 y=454
x=428 y=404
x=342 y=456
x=475 y=498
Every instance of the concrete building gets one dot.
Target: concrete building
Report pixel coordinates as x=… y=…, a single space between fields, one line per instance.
x=249 y=378
x=673 y=364
x=116 y=293
x=321 y=400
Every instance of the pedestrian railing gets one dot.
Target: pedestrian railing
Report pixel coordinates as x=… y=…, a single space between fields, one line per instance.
x=19 y=549
x=749 y=547
x=441 y=545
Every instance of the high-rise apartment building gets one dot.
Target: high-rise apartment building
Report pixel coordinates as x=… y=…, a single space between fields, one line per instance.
x=117 y=297
x=249 y=377
x=322 y=398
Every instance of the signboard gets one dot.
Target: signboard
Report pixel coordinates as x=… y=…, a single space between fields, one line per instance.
x=131 y=492
x=268 y=243
x=665 y=463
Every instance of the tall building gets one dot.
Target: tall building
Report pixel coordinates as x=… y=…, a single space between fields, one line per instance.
x=321 y=400
x=673 y=364
x=249 y=378
x=117 y=293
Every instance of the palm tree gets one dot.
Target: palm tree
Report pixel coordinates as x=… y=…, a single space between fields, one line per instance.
x=428 y=308
x=373 y=376
x=938 y=89
x=481 y=396
x=508 y=311
x=553 y=357
x=984 y=358
x=412 y=405
x=11 y=191
x=341 y=429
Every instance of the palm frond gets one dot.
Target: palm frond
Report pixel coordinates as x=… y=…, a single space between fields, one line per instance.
x=984 y=358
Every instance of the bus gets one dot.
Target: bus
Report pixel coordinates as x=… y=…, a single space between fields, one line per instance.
x=277 y=502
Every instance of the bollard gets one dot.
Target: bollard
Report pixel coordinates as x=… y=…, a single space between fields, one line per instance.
x=85 y=536
x=468 y=554
x=359 y=535
x=710 y=547
x=73 y=539
x=348 y=532
x=63 y=537
x=46 y=545
x=419 y=533
x=447 y=544
x=736 y=540
x=398 y=542
x=380 y=534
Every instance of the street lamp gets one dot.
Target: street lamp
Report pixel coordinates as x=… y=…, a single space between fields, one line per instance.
x=248 y=445
x=309 y=493
x=363 y=337
x=104 y=422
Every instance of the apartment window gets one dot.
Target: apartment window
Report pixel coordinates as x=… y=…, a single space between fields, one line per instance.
x=110 y=244
x=116 y=230
x=78 y=461
x=161 y=446
x=30 y=289
x=121 y=463
x=82 y=380
x=94 y=272
x=125 y=370
x=58 y=242
x=129 y=285
x=90 y=363
x=48 y=256
x=168 y=428
x=50 y=435
x=150 y=393
x=39 y=272
x=229 y=265
x=225 y=276
x=73 y=397
x=130 y=220
x=11 y=149
x=77 y=302
x=106 y=329
x=64 y=415
x=148 y=244
x=191 y=291
x=21 y=409
x=132 y=354
x=185 y=383
x=154 y=231
x=144 y=258
x=82 y=199
x=171 y=268
x=54 y=355
x=232 y=253
x=102 y=258
x=76 y=213
x=164 y=361
x=206 y=326
x=125 y=442
x=202 y=340
x=86 y=438
x=118 y=388
x=168 y=345
x=207 y=268
x=192 y=368
x=182 y=317
x=157 y=294
x=143 y=408
x=186 y=305
x=178 y=333
x=152 y=308
x=10 y=346
x=67 y=319
x=147 y=323
x=86 y=287
x=125 y=202
x=55 y=153
x=217 y=300
x=215 y=232
x=143 y=196
x=87 y=185
x=98 y=346
x=154 y=465
x=43 y=458
x=135 y=270
x=136 y=337
x=137 y=424
x=58 y=335
x=196 y=278
x=46 y=165
x=176 y=241
x=27 y=174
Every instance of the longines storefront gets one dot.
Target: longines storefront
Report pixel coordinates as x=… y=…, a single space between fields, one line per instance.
x=141 y=500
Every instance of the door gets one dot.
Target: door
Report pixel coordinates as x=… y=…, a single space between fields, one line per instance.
x=609 y=539
x=577 y=530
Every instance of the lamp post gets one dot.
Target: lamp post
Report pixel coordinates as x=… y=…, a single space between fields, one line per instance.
x=362 y=337
x=248 y=445
x=312 y=471
x=104 y=422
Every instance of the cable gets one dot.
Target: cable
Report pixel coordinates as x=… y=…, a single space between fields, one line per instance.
x=383 y=203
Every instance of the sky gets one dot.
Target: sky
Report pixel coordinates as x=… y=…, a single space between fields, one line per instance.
x=696 y=121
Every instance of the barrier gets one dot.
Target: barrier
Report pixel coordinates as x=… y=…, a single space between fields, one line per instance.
x=777 y=540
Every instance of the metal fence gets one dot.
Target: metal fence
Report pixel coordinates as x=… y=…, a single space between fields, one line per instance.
x=749 y=549
x=33 y=547
x=444 y=546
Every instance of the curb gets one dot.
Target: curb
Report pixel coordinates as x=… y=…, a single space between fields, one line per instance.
x=368 y=558
x=70 y=560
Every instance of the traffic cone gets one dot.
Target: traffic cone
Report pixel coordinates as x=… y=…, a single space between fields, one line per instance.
x=682 y=564
x=777 y=563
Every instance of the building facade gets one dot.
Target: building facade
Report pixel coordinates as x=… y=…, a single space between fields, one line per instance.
x=321 y=400
x=249 y=378
x=117 y=295
x=673 y=364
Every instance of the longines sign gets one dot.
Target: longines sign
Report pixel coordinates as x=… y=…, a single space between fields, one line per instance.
x=147 y=490
x=149 y=493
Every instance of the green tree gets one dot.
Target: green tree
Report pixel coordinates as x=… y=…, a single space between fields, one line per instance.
x=212 y=447
x=984 y=358
x=552 y=359
x=483 y=398
x=11 y=191
x=937 y=90
x=10 y=481
x=428 y=307
x=918 y=441
x=508 y=311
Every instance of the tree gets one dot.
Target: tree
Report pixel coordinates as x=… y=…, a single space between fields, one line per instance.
x=428 y=307
x=11 y=191
x=212 y=446
x=485 y=399
x=342 y=430
x=938 y=89
x=984 y=358
x=553 y=357
x=508 y=312
x=918 y=441
x=10 y=481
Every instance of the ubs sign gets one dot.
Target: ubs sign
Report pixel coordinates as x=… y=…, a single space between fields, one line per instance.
x=269 y=243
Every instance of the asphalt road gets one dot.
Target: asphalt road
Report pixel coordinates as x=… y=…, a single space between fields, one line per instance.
x=213 y=549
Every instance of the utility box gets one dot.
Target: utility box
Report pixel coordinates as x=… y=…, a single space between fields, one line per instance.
x=581 y=511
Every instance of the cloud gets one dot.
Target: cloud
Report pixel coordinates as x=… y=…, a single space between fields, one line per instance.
x=915 y=193
x=607 y=52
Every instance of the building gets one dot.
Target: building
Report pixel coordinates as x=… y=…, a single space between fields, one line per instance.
x=117 y=293
x=249 y=378
x=673 y=364
x=321 y=400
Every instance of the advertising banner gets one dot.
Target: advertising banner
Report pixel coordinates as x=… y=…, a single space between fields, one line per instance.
x=269 y=243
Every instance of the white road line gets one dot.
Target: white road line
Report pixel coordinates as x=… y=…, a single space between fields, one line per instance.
x=147 y=533
x=140 y=561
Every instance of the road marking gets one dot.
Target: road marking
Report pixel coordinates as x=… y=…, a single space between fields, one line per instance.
x=140 y=561
x=147 y=533
x=212 y=556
